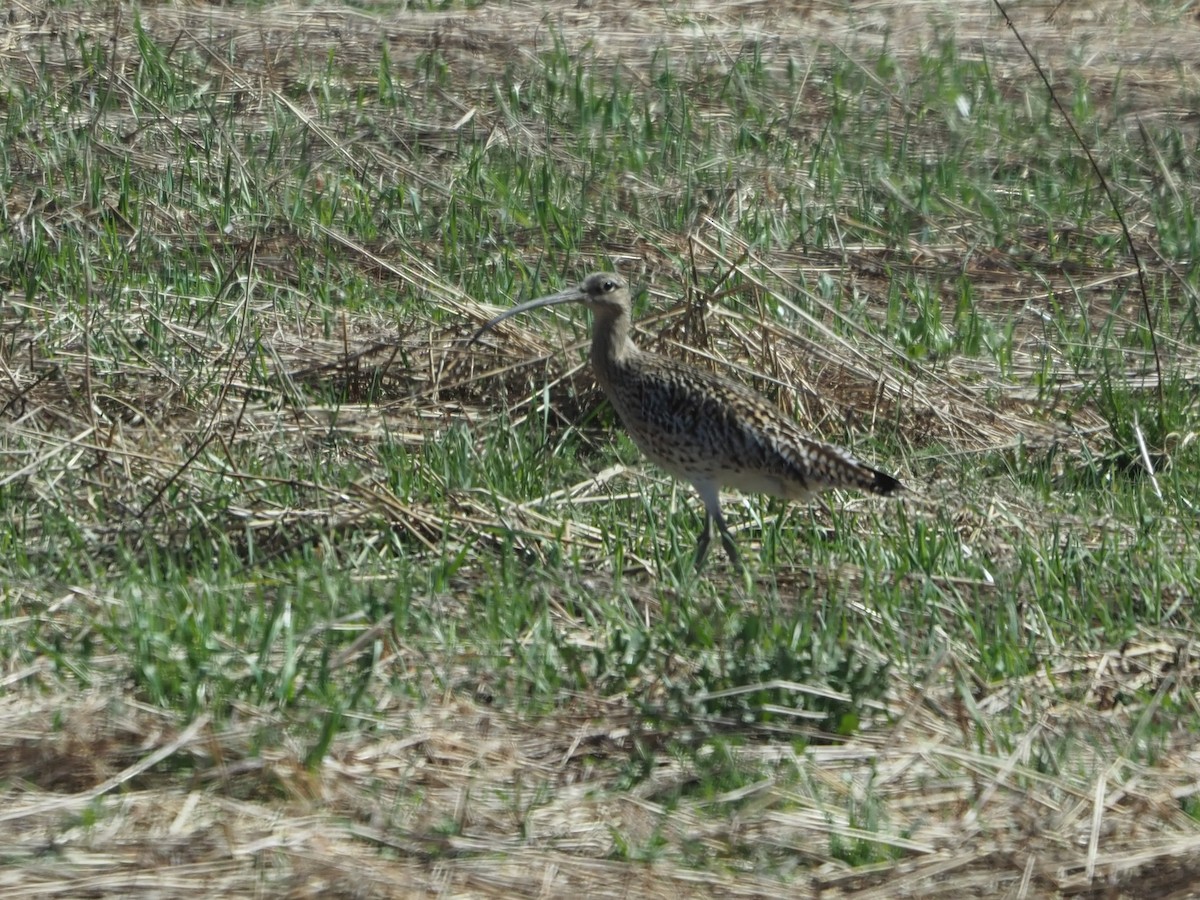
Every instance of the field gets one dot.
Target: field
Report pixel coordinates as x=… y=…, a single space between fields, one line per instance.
x=303 y=595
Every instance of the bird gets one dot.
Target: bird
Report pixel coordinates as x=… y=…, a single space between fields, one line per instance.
x=700 y=427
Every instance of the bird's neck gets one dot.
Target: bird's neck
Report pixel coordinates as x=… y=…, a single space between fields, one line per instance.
x=612 y=347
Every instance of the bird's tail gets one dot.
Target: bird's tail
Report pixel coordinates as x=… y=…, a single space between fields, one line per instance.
x=839 y=469
x=877 y=482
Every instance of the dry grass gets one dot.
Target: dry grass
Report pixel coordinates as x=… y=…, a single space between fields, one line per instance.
x=453 y=797
x=534 y=809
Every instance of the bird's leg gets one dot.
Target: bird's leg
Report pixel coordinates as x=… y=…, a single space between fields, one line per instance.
x=729 y=544
x=711 y=496
x=702 y=542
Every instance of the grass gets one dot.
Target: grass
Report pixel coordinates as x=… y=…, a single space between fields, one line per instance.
x=292 y=576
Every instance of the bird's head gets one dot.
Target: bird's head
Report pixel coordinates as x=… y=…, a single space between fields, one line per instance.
x=604 y=293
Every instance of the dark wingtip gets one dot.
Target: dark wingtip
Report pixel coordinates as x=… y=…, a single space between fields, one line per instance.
x=884 y=484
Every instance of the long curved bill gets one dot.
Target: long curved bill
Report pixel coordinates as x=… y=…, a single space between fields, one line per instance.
x=574 y=295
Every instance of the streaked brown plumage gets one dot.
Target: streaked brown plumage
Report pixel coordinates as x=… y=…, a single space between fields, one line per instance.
x=700 y=427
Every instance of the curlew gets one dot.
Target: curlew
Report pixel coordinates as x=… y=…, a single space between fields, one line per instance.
x=702 y=428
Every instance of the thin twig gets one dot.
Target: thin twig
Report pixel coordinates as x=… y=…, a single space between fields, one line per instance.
x=1112 y=200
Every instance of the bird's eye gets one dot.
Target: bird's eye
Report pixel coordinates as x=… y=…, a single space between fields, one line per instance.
x=609 y=286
